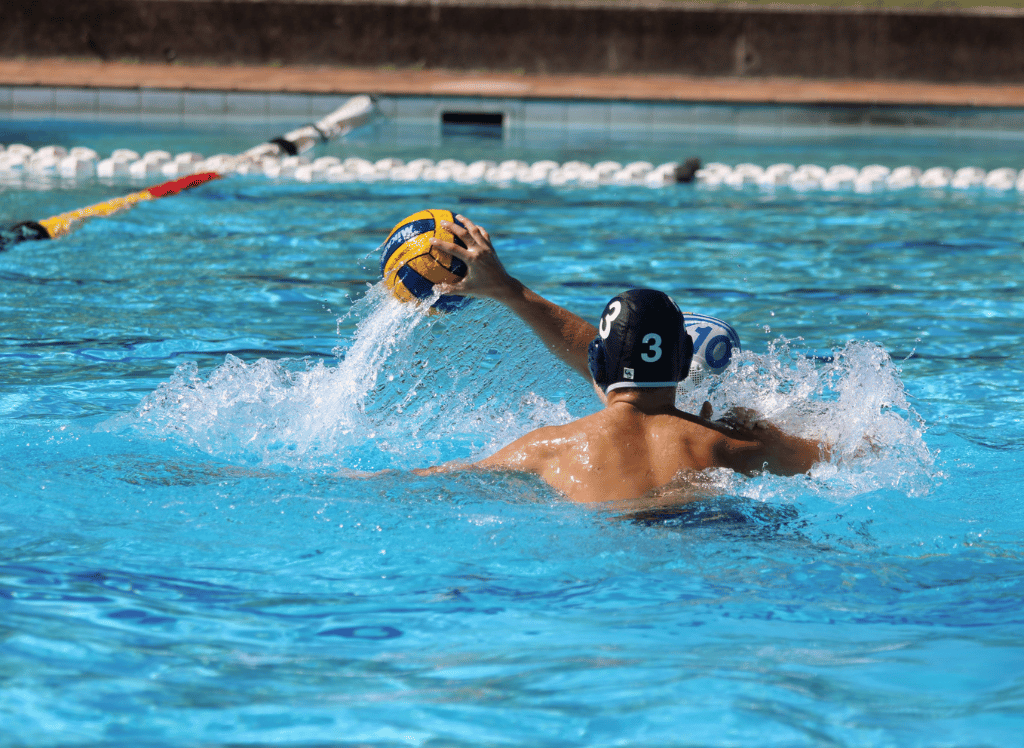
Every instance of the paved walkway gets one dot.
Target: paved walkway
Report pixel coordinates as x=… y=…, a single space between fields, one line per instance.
x=88 y=74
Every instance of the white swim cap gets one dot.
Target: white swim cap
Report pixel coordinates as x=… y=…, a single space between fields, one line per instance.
x=714 y=342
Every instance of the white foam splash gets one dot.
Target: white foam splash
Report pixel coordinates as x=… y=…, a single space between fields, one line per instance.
x=853 y=400
x=414 y=389
x=411 y=389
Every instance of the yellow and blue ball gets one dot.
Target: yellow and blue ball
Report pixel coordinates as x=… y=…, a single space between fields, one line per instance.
x=411 y=265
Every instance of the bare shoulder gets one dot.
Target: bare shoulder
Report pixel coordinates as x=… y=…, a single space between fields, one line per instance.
x=527 y=454
x=530 y=452
x=767 y=447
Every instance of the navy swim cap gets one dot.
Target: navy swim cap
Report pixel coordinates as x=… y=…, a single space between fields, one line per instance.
x=641 y=342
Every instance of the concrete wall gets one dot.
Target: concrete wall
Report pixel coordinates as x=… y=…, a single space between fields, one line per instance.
x=532 y=37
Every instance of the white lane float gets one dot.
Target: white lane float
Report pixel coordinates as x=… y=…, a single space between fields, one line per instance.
x=55 y=162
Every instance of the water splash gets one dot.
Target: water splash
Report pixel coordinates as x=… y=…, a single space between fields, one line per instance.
x=409 y=388
x=852 y=399
x=412 y=389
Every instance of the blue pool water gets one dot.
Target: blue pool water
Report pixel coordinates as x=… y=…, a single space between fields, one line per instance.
x=190 y=555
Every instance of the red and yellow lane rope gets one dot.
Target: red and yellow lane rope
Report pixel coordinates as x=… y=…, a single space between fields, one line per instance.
x=355 y=112
x=59 y=225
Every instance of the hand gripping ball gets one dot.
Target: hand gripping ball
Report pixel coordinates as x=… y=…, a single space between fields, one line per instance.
x=411 y=265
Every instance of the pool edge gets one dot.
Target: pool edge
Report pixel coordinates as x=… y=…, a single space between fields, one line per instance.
x=88 y=74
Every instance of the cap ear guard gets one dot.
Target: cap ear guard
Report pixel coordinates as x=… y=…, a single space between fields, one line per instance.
x=685 y=354
x=597 y=360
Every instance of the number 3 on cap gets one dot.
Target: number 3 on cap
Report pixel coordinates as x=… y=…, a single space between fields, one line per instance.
x=654 y=341
x=605 y=328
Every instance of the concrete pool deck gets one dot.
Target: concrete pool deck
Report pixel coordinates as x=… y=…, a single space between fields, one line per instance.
x=71 y=73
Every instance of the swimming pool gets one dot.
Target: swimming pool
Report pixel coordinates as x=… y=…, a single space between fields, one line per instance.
x=189 y=559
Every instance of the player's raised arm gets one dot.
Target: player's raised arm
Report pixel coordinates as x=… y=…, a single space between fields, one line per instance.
x=564 y=333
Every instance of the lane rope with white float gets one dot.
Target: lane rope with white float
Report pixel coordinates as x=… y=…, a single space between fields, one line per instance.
x=56 y=166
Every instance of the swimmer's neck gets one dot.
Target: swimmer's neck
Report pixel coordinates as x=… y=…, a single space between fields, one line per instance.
x=647 y=400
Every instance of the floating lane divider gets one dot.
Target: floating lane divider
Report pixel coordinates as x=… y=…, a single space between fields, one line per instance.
x=187 y=170
x=873 y=178
x=282 y=159
x=60 y=225
x=55 y=165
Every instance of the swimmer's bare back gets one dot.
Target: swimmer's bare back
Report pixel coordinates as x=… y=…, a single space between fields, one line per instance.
x=633 y=448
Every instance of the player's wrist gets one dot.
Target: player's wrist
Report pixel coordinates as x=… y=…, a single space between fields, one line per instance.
x=509 y=291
